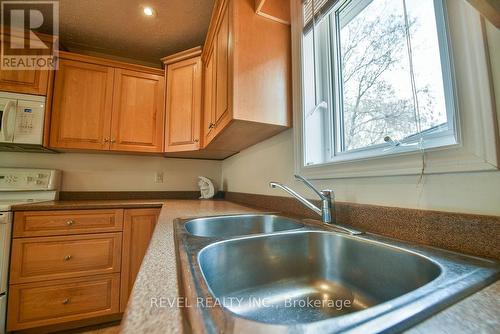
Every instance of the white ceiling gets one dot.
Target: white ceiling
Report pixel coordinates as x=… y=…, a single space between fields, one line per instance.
x=119 y=27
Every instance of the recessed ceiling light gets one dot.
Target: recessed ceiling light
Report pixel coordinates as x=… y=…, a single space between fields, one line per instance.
x=148 y=11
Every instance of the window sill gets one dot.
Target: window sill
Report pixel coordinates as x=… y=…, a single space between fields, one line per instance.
x=444 y=160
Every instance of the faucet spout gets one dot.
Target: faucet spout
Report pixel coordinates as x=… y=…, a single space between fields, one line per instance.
x=297 y=196
x=326 y=196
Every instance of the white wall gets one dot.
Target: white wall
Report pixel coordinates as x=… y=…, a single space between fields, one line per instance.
x=113 y=172
x=251 y=170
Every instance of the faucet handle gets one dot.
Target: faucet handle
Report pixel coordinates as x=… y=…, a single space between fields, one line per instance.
x=328 y=193
x=310 y=185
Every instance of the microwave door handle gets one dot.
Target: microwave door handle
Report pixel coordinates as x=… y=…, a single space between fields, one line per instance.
x=11 y=124
x=6 y=118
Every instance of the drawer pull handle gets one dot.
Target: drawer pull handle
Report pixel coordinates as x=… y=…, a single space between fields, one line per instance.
x=70 y=222
x=66 y=301
x=67 y=257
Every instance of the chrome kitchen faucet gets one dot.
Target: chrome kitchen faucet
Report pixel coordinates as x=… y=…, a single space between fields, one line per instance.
x=327 y=196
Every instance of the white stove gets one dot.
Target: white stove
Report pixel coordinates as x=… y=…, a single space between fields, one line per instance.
x=6 y=205
x=20 y=186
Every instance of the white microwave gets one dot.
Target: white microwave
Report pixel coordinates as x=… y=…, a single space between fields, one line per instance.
x=21 y=121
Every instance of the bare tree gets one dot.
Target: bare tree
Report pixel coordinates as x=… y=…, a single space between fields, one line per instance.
x=372 y=108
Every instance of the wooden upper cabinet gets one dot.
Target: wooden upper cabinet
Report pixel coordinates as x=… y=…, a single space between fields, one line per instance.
x=137 y=118
x=34 y=82
x=101 y=104
x=82 y=102
x=183 y=102
x=249 y=57
x=26 y=82
x=222 y=71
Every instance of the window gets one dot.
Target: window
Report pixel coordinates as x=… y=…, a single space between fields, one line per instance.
x=376 y=79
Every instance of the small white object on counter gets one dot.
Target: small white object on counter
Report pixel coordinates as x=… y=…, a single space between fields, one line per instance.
x=207 y=187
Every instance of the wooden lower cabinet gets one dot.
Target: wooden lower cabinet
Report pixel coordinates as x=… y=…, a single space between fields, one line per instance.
x=74 y=267
x=37 y=259
x=138 y=227
x=52 y=302
x=66 y=222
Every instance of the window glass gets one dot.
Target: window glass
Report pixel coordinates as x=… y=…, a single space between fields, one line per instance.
x=380 y=80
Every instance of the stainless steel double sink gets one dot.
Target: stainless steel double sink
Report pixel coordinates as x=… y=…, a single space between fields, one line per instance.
x=268 y=273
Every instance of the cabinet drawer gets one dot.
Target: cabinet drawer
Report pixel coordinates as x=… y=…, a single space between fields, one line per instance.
x=65 y=222
x=45 y=303
x=37 y=259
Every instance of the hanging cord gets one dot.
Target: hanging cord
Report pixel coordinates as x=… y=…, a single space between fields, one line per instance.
x=414 y=92
x=313 y=19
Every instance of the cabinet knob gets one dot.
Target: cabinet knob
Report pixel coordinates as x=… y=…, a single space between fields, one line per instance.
x=66 y=301
x=211 y=125
x=67 y=257
x=196 y=140
x=113 y=141
x=106 y=140
x=70 y=222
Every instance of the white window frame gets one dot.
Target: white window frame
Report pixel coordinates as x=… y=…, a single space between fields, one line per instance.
x=476 y=121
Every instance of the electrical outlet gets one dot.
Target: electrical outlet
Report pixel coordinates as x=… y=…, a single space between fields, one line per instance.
x=159 y=177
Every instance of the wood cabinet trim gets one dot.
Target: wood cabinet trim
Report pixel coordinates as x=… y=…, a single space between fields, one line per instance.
x=183 y=55
x=216 y=18
x=108 y=62
x=276 y=10
x=48 y=109
x=208 y=97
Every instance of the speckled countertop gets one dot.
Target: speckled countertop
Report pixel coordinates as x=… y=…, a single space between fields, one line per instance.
x=157 y=280
x=89 y=204
x=158 y=275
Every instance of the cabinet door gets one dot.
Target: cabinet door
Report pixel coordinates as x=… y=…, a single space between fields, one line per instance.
x=183 y=106
x=137 y=119
x=208 y=98
x=222 y=71
x=26 y=82
x=46 y=258
x=55 y=302
x=81 y=113
x=138 y=227
x=66 y=222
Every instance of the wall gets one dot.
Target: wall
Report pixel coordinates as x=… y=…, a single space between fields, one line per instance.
x=251 y=170
x=113 y=172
